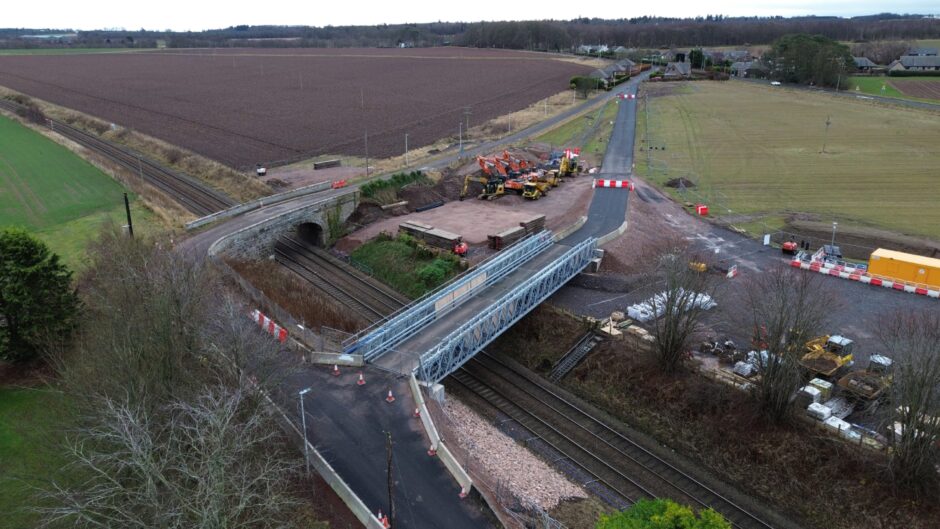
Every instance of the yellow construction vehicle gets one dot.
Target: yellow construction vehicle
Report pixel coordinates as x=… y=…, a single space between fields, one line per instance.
x=568 y=167
x=534 y=190
x=492 y=187
x=827 y=354
x=550 y=177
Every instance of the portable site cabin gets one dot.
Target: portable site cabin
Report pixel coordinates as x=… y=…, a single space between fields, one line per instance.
x=905 y=267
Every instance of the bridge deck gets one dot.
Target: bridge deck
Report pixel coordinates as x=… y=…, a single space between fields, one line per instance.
x=405 y=356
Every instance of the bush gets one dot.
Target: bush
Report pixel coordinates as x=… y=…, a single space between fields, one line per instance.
x=918 y=73
x=434 y=273
x=662 y=514
x=395 y=183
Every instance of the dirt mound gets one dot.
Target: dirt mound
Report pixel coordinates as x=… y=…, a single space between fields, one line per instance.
x=680 y=182
x=450 y=185
x=366 y=213
x=419 y=196
x=857 y=242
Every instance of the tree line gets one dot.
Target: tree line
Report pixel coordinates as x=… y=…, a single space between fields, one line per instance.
x=549 y=35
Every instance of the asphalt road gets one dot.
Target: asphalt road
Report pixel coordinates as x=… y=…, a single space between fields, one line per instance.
x=608 y=208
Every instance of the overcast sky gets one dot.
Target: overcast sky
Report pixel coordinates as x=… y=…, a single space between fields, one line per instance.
x=201 y=14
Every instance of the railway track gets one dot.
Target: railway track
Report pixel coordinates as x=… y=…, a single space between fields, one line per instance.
x=363 y=295
x=614 y=460
x=193 y=195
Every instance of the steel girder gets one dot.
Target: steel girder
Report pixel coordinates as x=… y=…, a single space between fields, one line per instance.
x=384 y=336
x=468 y=339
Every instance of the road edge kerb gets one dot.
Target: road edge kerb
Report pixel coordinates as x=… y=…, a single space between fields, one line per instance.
x=257 y=203
x=564 y=232
x=612 y=235
x=437 y=444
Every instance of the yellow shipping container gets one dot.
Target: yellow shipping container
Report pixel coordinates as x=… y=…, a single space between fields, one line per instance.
x=905 y=267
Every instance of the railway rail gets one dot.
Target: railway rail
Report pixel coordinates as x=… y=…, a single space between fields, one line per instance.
x=614 y=460
x=193 y=195
x=363 y=295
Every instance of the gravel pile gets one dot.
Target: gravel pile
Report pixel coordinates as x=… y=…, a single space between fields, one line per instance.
x=502 y=459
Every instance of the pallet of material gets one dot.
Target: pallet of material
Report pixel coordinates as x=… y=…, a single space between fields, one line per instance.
x=505 y=238
x=430 y=235
x=326 y=164
x=534 y=224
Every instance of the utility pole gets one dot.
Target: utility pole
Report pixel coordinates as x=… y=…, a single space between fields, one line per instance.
x=391 y=481
x=406 y=149
x=466 y=113
x=826 y=137
x=367 y=152
x=303 y=423
x=832 y=244
x=127 y=208
x=460 y=138
x=646 y=104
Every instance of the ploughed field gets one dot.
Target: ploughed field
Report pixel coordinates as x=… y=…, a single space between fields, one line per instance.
x=920 y=88
x=245 y=106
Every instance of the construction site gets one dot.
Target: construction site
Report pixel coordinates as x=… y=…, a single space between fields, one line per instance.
x=477 y=337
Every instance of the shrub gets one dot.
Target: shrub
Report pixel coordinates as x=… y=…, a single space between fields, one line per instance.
x=662 y=514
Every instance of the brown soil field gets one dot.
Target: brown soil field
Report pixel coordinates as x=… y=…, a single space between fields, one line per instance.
x=244 y=106
x=920 y=88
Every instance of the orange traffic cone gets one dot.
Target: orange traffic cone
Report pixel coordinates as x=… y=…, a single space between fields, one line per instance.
x=335 y=370
x=463 y=492
x=385 y=523
x=417 y=412
x=390 y=397
x=432 y=451
x=361 y=381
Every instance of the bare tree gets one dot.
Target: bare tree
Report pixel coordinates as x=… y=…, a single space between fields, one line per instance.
x=166 y=378
x=211 y=461
x=679 y=307
x=912 y=339
x=785 y=308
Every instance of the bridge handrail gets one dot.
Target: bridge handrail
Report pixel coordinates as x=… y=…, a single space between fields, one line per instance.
x=581 y=253
x=405 y=322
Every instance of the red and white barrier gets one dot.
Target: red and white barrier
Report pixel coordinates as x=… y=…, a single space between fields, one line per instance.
x=268 y=326
x=862 y=276
x=338 y=184
x=627 y=96
x=619 y=184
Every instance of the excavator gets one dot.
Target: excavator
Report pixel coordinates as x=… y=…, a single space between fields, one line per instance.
x=493 y=187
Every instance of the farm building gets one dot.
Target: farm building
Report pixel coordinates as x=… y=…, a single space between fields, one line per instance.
x=677 y=69
x=922 y=52
x=864 y=64
x=916 y=63
x=749 y=69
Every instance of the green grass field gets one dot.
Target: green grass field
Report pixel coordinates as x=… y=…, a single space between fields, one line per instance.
x=756 y=150
x=876 y=86
x=50 y=191
x=32 y=425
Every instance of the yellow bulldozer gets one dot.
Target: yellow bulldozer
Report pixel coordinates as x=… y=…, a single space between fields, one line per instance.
x=534 y=190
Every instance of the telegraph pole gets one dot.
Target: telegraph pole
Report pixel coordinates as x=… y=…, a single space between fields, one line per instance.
x=460 y=137
x=367 y=152
x=391 y=481
x=406 y=149
x=127 y=208
x=826 y=137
